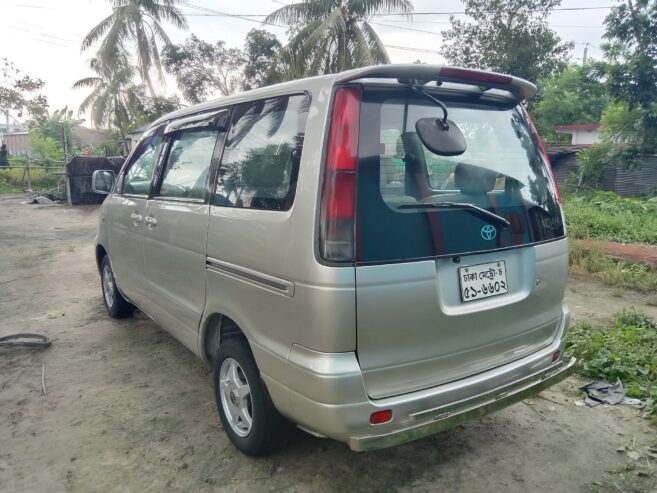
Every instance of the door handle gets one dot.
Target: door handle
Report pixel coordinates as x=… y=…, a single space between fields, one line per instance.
x=136 y=217
x=151 y=221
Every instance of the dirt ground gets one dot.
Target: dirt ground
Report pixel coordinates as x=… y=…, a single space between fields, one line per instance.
x=129 y=409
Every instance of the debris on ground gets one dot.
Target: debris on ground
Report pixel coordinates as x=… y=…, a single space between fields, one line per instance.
x=603 y=392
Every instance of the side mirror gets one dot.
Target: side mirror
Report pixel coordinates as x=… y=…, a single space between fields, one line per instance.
x=102 y=181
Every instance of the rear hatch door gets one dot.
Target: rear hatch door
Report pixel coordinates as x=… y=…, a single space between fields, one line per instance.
x=444 y=292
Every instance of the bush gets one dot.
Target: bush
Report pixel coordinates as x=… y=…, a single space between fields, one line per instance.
x=607 y=216
x=625 y=349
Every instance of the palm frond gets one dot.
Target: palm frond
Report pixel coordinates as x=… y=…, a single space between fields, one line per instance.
x=98 y=31
x=291 y=14
x=87 y=82
x=364 y=9
x=377 y=49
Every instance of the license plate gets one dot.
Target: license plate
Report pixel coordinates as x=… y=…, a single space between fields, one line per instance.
x=483 y=280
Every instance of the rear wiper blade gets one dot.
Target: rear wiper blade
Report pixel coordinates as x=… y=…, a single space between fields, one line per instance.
x=471 y=208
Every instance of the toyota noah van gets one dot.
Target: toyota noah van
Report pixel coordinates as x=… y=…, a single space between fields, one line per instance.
x=373 y=256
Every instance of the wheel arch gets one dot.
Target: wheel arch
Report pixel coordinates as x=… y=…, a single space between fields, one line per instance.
x=101 y=253
x=217 y=328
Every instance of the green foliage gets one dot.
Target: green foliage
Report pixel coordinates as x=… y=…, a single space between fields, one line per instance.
x=509 y=36
x=45 y=147
x=331 y=36
x=632 y=51
x=625 y=349
x=138 y=23
x=19 y=92
x=591 y=259
x=262 y=63
x=115 y=99
x=607 y=216
x=201 y=69
x=58 y=123
x=575 y=96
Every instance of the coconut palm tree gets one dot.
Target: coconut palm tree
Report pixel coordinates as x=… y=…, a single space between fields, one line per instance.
x=138 y=22
x=115 y=99
x=334 y=35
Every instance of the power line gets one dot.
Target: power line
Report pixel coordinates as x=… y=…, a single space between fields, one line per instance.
x=405 y=28
x=409 y=48
x=447 y=12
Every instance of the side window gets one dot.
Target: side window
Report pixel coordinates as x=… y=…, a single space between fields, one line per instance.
x=137 y=179
x=260 y=161
x=185 y=174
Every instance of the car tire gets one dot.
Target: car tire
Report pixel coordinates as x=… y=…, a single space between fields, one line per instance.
x=245 y=408
x=117 y=306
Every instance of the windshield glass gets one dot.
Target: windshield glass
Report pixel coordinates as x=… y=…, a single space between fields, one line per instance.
x=502 y=171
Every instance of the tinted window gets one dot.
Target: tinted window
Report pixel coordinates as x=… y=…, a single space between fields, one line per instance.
x=401 y=184
x=138 y=177
x=261 y=158
x=185 y=174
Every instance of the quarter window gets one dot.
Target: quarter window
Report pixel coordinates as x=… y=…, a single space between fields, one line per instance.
x=138 y=177
x=185 y=174
x=261 y=158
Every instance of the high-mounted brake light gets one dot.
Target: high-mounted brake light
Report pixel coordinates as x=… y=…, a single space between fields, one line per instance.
x=338 y=207
x=545 y=155
x=474 y=76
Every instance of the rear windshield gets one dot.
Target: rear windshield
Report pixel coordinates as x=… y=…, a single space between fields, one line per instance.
x=408 y=198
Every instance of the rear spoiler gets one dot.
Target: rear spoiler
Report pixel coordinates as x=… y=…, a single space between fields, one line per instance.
x=520 y=89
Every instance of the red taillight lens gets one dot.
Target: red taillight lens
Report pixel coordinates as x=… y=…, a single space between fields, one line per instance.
x=545 y=155
x=555 y=356
x=338 y=207
x=474 y=75
x=380 y=417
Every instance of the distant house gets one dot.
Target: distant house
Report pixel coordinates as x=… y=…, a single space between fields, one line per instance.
x=628 y=183
x=133 y=137
x=581 y=134
x=18 y=143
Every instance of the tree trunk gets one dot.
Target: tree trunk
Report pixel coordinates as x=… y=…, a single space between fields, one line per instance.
x=149 y=83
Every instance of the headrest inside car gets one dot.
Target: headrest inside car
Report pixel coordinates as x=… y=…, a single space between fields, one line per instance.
x=473 y=180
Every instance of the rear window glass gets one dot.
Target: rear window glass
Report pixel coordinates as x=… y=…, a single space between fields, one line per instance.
x=408 y=198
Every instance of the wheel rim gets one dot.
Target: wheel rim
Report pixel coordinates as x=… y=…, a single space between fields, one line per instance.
x=235 y=395
x=108 y=286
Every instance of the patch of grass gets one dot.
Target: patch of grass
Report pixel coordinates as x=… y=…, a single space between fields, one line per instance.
x=621 y=274
x=608 y=216
x=626 y=349
x=11 y=179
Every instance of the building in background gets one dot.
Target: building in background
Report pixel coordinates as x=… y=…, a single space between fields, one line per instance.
x=581 y=134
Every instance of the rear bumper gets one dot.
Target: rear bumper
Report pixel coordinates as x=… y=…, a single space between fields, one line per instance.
x=445 y=417
x=324 y=393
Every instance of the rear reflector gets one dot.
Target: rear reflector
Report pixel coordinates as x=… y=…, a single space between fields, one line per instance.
x=555 y=356
x=338 y=205
x=381 y=417
x=474 y=76
x=545 y=155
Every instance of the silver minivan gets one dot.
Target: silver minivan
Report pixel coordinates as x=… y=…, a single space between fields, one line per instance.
x=375 y=255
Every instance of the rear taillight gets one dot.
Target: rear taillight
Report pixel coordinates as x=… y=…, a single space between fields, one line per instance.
x=338 y=206
x=545 y=155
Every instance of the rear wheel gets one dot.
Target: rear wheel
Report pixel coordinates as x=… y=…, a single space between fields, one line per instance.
x=246 y=411
x=117 y=306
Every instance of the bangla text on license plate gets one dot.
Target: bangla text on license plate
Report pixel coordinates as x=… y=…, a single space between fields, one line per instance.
x=483 y=280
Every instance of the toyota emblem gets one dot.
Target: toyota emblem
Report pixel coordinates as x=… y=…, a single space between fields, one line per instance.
x=488 y=232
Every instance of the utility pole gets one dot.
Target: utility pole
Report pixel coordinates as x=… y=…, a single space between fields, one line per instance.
x=586 y=50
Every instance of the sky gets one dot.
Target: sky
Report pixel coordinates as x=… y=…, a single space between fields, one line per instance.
x=42 y=37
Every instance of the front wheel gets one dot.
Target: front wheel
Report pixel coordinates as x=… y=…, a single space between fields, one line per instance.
x=246 y=411
x=117 y=306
